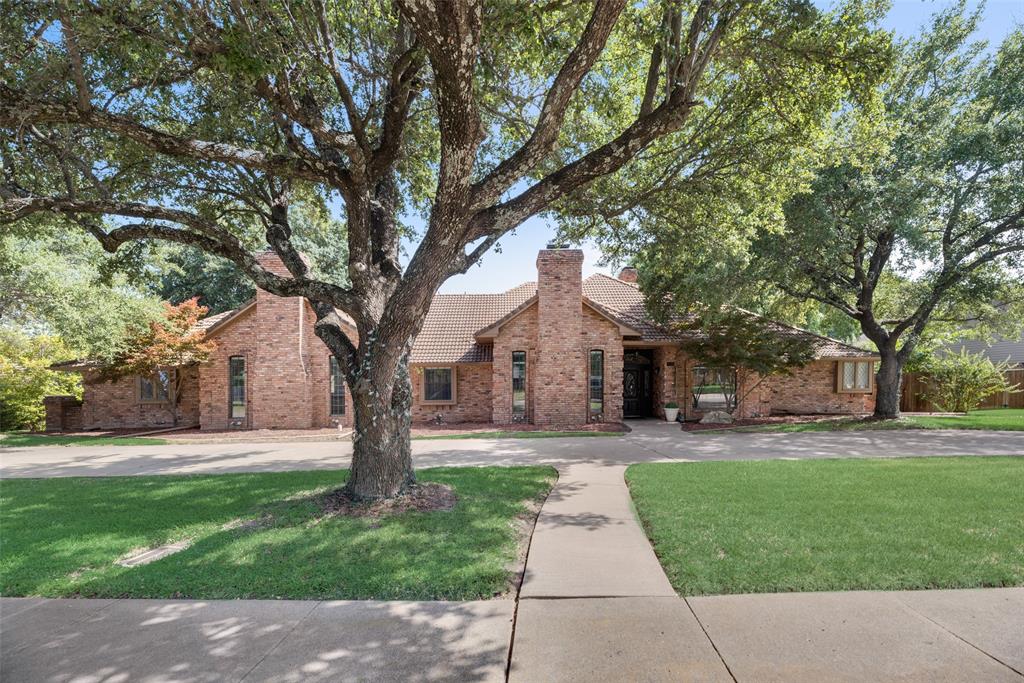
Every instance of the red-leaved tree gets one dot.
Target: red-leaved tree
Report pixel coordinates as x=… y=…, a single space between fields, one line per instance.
x=167 y=345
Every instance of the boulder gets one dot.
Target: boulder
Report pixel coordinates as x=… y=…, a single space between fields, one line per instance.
x=716 y=417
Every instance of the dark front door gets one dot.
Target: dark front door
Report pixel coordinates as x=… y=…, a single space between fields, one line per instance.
x=636 y=385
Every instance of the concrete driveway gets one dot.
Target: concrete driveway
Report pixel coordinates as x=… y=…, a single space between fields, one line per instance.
x=649 y=441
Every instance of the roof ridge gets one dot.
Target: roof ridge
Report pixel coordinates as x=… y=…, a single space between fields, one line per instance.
x=802 y=330
x=615 y=279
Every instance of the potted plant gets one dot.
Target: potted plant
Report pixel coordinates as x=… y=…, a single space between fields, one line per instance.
x=671 y=411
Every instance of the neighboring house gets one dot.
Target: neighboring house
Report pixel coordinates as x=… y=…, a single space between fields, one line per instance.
x=563 y=351
x=999 y=350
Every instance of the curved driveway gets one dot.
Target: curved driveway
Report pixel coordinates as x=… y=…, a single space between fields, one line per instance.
x=649 y=441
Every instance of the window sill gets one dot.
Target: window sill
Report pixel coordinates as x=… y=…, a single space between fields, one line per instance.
x=437 y=403
x=855 y=391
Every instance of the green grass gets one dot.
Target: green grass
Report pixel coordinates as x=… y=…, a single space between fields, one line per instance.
x=1009 y=419
x=822 y=525
x=23 y=439
x=62 y=536
x=512 y=435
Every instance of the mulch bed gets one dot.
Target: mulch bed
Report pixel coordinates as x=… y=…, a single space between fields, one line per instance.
x=759 y=421
x=429 y=497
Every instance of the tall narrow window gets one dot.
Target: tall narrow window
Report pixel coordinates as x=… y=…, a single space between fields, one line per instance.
x=596 y=385
x=518 y=384
x=236 y=387
x=337 y=388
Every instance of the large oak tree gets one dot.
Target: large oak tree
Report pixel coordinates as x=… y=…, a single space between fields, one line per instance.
x=189 y=122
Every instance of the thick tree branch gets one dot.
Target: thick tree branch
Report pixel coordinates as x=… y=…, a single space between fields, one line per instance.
x=552 y=113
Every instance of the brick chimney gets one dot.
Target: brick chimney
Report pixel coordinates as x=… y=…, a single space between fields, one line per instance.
x=280 y=372
x=628 y=274
x=560 y=385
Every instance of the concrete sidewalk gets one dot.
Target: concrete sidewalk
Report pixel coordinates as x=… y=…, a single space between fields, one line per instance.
x=964 y=635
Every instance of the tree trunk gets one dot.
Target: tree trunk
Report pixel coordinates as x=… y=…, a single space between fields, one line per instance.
x=381 y=448
x=888 y=381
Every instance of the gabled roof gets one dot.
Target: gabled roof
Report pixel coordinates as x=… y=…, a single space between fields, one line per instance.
x=459 y=328
x=212 y=323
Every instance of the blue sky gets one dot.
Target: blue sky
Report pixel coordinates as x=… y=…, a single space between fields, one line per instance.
x=515 y=264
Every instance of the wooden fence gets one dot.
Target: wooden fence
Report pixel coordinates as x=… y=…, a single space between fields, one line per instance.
x=913 y=386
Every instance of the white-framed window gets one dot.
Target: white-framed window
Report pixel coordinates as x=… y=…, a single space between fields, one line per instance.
x=155 y=388
x=439 y=384
x=855 y=376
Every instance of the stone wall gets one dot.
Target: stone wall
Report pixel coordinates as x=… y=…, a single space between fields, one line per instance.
x=473 y=397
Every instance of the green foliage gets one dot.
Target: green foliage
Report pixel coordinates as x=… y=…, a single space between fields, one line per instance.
x=828 y=525
x=26 y=377
x=738 y=339
x=906 y=216
x=261 y=535
x=62 y=285
x=958 y=383
x=218 y=283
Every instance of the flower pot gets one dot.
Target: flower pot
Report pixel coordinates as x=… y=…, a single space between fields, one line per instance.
x=671 y=414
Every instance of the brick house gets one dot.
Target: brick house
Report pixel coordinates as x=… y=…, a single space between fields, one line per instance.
x=562 y=351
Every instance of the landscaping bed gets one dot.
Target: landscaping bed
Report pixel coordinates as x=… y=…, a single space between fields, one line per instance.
x=822 y=525
x=487 y=430
x=998 y=419
x=267 y=535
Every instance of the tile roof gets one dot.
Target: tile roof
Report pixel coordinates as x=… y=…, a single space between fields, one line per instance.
x=448 y=334
x=453 y=320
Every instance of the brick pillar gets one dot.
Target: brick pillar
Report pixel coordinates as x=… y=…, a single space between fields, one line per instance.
x=560 y=386
x=280 y=374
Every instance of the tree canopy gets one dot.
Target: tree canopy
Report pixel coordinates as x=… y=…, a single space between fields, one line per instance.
x=190 y=123
x=913 y=217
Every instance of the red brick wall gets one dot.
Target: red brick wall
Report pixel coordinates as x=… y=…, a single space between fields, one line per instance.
x=472 y=396
x=600 y=333
x=236 y=338
x=520 y=334
x=812 y=389
x=63 y=413
x=115 y=405
x=287 y=366
x=559 y=391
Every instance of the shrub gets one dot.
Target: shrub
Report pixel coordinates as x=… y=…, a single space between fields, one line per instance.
x=671 y=404
x=958 y=383
x=26 y=377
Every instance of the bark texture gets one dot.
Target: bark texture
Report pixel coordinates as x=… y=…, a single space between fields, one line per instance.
x=888 y=381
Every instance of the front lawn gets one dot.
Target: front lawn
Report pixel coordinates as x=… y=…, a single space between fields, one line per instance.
x=1009 y=419
x=23 y=439
x=821 y=525
x=260 y=535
